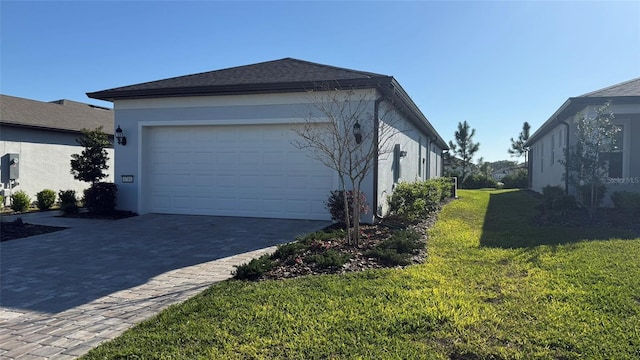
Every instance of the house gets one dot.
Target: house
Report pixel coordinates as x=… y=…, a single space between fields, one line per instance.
x=220 y=142
x=547 y=145
x=37 y=140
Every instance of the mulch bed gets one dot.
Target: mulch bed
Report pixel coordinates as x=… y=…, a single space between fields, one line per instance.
x=372 y=235
x=16 y=230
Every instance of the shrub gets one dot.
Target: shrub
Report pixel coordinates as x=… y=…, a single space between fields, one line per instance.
x=100 y=198
x=626 y=201
x=46 y=199
x=254 y=268
x=415 y=201
x=68 y=202
x=478 y=181
x=549 y=193
x=563 y=202
x=397 y=249
x=20 y=201
x=583 y=195
x=335 y=205
x=329 y=259
x=519 y=180
x=289 y=250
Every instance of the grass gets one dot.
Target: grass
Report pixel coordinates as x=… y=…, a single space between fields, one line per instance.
x=494 y=287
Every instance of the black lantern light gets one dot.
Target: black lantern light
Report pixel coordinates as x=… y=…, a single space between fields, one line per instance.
x=357 y=133
x=122 y=140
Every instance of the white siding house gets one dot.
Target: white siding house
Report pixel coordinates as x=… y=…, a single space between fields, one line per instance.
x=42 y=135
x=221 y=143
x=547 y=145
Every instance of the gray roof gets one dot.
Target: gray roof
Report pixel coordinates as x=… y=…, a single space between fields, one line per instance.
x=59 y=115
x=284 y=75
x=627 y=88
x=627 y=92
x=272 y=76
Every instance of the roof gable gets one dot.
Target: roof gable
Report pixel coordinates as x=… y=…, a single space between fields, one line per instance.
x=277 y=75
x=65 y=115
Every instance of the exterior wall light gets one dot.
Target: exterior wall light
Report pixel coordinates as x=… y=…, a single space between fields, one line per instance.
x=122 y=140
x=357 y=133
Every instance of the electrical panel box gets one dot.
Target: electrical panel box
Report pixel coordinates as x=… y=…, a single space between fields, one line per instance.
x=10 y=167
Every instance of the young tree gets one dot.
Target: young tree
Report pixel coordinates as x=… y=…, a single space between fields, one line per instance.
x=517 y=145
x=89 y=165
x=464 y=148
x=341 y=132
x=586 y=163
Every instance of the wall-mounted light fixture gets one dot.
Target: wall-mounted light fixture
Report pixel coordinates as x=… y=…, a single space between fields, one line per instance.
x=357 y=133
x=122 y=140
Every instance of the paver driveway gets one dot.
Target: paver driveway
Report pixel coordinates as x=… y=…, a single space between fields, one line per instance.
x=63 y=293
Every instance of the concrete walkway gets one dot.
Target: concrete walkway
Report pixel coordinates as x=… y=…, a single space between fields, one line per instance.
x=63 y=293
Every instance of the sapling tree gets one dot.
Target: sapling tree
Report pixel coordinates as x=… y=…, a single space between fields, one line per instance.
x=517 y=145
x=586 y=164
x=464 y=148
x=344 y=132
x=88 y=166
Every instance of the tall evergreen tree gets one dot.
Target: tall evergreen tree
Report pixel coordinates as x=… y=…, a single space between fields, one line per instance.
x=464 y=148
x=89 y=165
x=517 y=145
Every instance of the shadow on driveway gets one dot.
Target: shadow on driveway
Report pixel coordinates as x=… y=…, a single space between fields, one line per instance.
x=54 y=272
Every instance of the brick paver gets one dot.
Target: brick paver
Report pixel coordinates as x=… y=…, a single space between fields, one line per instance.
x=93 y=300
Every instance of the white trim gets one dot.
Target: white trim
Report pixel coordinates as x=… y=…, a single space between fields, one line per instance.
x=261 y=121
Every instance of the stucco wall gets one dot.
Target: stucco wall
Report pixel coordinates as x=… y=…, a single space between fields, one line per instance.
x=44 y=160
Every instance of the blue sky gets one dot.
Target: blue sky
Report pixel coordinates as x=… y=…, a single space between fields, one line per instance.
x=494 y=64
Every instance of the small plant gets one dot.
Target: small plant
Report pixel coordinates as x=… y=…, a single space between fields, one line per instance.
x=20 y=201
x=389 y=257
x=100 y=198
x=415 y=201
x=287 y=251
x=254 y=268
x=68 y=202
x=46 y=199
x=626 y=201
x=397 y=249
x=335 y=205
x=329 y=259
x=549 y=193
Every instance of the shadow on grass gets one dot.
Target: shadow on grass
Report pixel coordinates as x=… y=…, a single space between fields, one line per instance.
x=508 y=223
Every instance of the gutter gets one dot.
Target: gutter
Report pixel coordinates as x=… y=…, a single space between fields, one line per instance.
x=566 y=165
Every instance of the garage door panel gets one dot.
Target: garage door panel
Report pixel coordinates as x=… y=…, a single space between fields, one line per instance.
x=234 y=170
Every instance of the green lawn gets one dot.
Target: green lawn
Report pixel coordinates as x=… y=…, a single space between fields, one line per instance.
x=493 y=287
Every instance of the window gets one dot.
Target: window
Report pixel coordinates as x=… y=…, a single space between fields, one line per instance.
x=419 y=156
x=614 y=158
x=553 y=149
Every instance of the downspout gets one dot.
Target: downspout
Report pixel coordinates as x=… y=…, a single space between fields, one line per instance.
x=566 y=164
x=376 y=130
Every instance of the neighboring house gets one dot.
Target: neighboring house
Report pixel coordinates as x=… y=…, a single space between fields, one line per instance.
x=39 y=138
x=499 y=174
x=547 y=145
x=220 y=142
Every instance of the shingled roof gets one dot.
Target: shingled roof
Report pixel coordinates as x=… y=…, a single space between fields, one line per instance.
x=286 y=74
x=627 y=92
x=60 y=115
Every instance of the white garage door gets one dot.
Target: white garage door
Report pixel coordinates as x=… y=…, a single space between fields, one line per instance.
x=239 y=170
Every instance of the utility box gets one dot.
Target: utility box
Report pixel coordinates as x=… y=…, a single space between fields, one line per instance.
x=10 y=167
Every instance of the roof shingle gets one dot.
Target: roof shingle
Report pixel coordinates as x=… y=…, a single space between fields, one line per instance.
x=63 y=114
x=627 y=88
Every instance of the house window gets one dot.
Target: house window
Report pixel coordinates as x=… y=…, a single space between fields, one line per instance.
x=553 y=149
x=614 y=158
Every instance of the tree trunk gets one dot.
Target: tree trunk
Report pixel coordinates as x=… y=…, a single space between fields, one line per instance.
x=347 y=223
x=356 y=216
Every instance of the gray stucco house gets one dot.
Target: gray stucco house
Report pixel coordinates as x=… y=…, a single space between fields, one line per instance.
x=42 y=136
x=547 y=144
x=220 y=142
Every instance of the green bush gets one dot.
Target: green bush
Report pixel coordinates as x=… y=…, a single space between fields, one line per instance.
x=549 y=193
x=20 y=201
x=389 y=257
x=626 y=201
x=415 y=201
x=519 y=180
x=289 y=250
x=335 y=205
x=564 y=202
x=329 y=259
x=46 y=199
x=584 y=195
x=68 y=202
x=100 y=198
x=478 y=181
x=397 y=249
x=254 y=268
